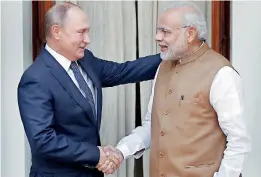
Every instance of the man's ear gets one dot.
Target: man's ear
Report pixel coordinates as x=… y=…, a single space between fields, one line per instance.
x=192 y=34
x=55 y=31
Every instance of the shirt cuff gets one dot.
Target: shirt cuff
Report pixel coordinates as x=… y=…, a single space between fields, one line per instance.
x=138 y=154
x=131 y=146
x=124 y=150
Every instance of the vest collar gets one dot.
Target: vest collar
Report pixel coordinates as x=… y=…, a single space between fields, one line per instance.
x=190 y=58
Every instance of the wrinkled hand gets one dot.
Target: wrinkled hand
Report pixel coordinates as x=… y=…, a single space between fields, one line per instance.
x=110 y=160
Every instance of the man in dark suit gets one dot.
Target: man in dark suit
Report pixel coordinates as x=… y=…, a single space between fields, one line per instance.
x=60 y=97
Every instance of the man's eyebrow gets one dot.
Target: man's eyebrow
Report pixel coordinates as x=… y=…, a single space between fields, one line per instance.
x=163 y=28
x=84 y=28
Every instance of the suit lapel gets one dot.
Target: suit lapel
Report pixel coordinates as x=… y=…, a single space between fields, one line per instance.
x=64 y=79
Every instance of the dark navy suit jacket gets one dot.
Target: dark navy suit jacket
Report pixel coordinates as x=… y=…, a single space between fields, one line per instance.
x=58 y=121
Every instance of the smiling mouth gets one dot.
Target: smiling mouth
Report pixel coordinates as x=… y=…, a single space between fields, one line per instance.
x=163 y=48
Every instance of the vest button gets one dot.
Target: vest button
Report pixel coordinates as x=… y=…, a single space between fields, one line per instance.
x=162 y=175
x=161 y=133
x=161 y=154
x=177 y=71
x=166 y=112
x=170 y=91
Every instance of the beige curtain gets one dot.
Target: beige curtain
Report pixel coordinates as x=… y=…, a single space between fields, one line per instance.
x=147 y=20
x=113 y=37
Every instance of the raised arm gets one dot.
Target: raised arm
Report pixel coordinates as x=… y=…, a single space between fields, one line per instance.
x=139 y=70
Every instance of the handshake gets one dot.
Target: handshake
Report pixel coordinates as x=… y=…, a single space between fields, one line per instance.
x=110 y=159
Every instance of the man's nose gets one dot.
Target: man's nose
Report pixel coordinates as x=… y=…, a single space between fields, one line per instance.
x=158 y=36
x=86 y=38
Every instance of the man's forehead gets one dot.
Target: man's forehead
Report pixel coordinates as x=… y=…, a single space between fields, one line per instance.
x=77 y=24
x=169 y=20
x=76 y=13
x=77 y=17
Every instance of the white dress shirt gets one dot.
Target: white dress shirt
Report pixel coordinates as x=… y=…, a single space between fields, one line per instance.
x=65 y=63
x=226 y=97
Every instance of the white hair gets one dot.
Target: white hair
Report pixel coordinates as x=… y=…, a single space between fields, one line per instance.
x=193 y=17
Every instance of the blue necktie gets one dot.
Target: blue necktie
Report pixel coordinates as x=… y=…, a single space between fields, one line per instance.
x=83 y=85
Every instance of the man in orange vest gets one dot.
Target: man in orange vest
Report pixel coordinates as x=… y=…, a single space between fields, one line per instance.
x=194 y=126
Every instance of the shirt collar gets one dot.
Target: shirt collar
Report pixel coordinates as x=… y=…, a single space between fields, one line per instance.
x=64 y=62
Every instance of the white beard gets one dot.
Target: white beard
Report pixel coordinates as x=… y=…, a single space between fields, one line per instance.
x=168 y=55
x=174 y=53
x=165 y=55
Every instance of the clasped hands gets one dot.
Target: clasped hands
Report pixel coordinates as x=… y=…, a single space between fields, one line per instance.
x=110 y=159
